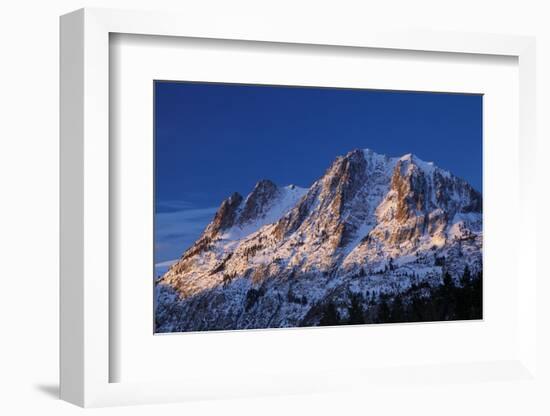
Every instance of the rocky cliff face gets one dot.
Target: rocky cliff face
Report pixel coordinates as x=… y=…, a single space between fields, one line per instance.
x=371 y=226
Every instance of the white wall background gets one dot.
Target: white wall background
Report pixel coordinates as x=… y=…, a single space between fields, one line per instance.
x=29 y=204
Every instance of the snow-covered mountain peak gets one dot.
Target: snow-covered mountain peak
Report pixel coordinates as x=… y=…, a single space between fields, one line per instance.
x=366 y=212
x=226 y=215
x=371 y=153
x=410 y=161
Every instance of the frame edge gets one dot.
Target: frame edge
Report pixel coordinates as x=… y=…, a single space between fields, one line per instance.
x=83 y=291
x=71 y=221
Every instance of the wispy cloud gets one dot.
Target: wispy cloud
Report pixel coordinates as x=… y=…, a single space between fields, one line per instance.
x=163 y=266
x=172 y=206
x=178 y=227
x=166 y=263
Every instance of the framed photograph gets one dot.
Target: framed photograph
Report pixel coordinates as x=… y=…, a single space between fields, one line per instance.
x=351 y=237
x=271 y=211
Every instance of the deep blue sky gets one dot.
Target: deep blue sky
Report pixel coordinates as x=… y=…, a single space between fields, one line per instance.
x=215 y=139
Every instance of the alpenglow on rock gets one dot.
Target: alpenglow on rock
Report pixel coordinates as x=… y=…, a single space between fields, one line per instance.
x=370 y=229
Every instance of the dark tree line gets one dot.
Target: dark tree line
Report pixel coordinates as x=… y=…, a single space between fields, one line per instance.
x=446 y=302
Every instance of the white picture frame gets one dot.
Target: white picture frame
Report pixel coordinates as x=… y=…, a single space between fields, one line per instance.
x=85 y=183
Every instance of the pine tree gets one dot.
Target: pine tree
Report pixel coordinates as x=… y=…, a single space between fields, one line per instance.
x=466 y=277
x=356 y=313
x=448 y=282
x=397 y=311
x=330 y=316
x=464 y=296
x=384 y=313
x=446 y=298
x=477 y=296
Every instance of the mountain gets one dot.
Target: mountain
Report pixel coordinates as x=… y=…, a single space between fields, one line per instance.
x=372 y=230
